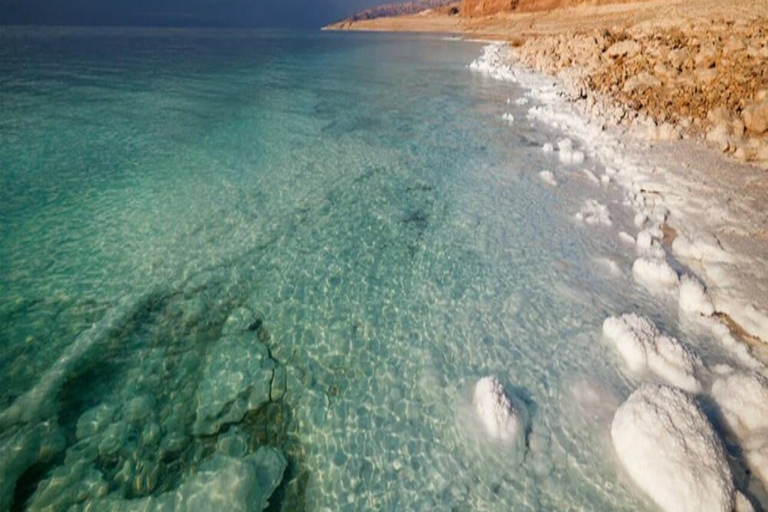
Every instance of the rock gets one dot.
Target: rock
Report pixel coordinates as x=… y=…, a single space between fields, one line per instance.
x=693 y=298
x=67 y=486
x=654 y=273
x=113 y=438
x=241 y=320
x=642 y=80
x=95 y=420
x=627 y=48
x=23 y=449
x=666 y=444
x=138 y=409
x=706 y=57
x=221 y=483
x=755 y=117
x=236 y=379
x=232 y=444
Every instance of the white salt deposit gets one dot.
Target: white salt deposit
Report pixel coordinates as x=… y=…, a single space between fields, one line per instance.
x=503 y=419
x=509 y=118
x=693 y=298
x=548 y=148
x=654 y=273
x=645 y=349
x=591 y=176
x=593 y=212
x=626 y=238
x=743 y=402
x=521 y=101
x=666 y=444
x=548 y=177
x=493 y=63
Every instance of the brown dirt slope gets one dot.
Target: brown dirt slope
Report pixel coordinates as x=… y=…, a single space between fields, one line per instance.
x=473 y=8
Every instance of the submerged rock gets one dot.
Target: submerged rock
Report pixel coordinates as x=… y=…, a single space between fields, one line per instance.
x=222 y=483
x=23 y=449
x=670 y=450
x=236 y=379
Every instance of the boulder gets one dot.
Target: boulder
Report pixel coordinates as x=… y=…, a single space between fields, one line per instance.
x=626 y=48
x=755 y=117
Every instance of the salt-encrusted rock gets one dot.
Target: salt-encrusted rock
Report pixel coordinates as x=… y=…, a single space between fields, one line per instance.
x=594 y=212
x=504 y=419
x=644 y=348
x=236 y=379
x=755 y=117
x=641 y=80
x=627 y=48
x=668 y=447
x=23 y=449
x=654 y=273
x=221 y=483
x=693 y=298
x=743 y=402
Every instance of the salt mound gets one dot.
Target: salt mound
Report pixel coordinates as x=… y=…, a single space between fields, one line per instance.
x=503 y=419
x=693 y=298
x=743 y=401
x=644 y=348
x=654 y=273
x=594 y=212
x=509 y=118
x=670 y=450
x=548 y=177
x=493 y=63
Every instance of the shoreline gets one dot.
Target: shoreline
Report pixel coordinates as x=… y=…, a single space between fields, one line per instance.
x=724 y=240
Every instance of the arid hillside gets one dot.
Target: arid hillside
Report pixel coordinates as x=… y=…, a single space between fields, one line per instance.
x=476 y=8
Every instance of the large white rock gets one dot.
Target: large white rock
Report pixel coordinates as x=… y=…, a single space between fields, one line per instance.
x=504 y=420
x=743 y=402
x=654 y=273
x=644 y=348
x=666 y=444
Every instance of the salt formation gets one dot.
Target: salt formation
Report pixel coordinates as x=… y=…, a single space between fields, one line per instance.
x=503 y=419
x=644 y=348
x=548 y=177
x=492 y=63
x=693 y=298
x=509 y=118
x=237 y=378
x=668 y=447
x=548 y=148
x=594 y=212
x=743 y=402
x=567 y=154
x=654 y=273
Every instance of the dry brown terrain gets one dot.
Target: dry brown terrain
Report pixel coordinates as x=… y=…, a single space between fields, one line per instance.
x=695 y=67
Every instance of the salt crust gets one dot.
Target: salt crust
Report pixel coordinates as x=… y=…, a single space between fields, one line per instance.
x=548 y=177
x=646 y=187
x=504 y=419
x=594 y=212
x=654 y=273
x=645 y=349
x=666 y=444
x=743 y=402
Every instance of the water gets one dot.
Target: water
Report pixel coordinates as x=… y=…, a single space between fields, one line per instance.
x=361 y=201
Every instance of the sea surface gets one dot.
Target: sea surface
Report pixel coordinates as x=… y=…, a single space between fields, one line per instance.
x=215 y=241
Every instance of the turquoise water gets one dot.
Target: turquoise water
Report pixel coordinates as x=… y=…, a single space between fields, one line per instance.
x=376 y=235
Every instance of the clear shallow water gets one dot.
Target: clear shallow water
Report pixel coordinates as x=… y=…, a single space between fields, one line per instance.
x=361 y=196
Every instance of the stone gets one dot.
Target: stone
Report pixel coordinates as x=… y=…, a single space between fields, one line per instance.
x=236 y=379
x=627 y=48
x=94 y=420
x=23 y=449
x=220 y=483
x=113 y=438
x=138 y=409
x=642 y=80
x=755 y=117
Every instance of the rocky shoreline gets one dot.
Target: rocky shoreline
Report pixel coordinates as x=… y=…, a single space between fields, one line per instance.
x=709 y=82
